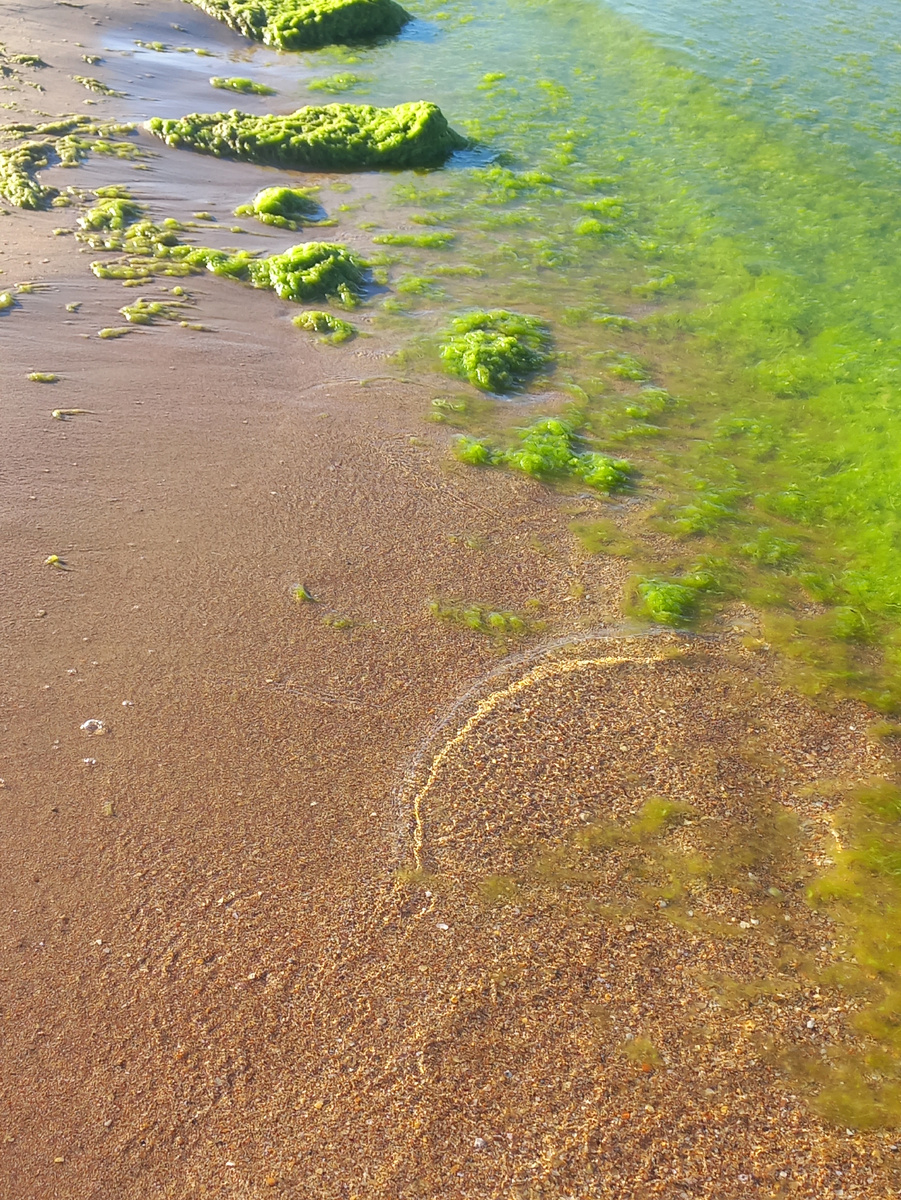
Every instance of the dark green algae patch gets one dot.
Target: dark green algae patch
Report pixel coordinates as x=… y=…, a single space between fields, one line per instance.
x=344 y=137
x=307 y=24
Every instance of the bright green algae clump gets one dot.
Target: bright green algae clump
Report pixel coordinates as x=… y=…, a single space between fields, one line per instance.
x=302 y=24
x=281 y=206
x=549 y=449
x=309 y=271
x=334 y=329
x=321 y=137
x=496 y=351
x=247 y=87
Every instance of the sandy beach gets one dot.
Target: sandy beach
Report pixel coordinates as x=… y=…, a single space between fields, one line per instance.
x=223 y=971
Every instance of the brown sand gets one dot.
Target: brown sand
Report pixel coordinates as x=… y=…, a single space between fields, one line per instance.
x=214 y=981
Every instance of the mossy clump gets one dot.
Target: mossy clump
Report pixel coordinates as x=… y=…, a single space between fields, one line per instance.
x=247 y=87
x=281 y=206
x=496 y=351
x=550 y=449
x=43 y=377
x=333 y=329
x=17 y=167
x=7 y=301
x=113 y=212
x=304 y=24
x=321 y=137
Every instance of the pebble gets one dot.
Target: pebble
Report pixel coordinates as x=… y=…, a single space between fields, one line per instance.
x=93 y=726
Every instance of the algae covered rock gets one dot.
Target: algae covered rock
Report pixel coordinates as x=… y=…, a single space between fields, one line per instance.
x=496 y=351
x=321 y=137
x=303 y=24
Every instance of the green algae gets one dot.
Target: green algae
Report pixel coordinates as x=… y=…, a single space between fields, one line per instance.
x=284 y=207
x=500 y=624
x=668 y=601
x=331 y=136
x=115 y=331
x=246 y=87
x=335 y=330
x=549 y=449
x=17 y=169
x=43 y=377
x=64 y=142
x=95 y=85
x=306 y=24
x=343 y=81
x=496 y=351
x=422 y=241
x=147 y=312
x=7 y=301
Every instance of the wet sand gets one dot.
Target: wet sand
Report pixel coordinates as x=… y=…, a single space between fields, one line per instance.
x=221 y=975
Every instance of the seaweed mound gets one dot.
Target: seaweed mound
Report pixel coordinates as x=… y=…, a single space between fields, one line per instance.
x=303 y=24
x=281 y=206
x=321 y=137
x=496 y=351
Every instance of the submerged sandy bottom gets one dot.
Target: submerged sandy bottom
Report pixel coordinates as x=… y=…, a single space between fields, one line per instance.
x=221 y=973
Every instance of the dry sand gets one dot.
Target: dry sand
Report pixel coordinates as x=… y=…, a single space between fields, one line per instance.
x=220 y=975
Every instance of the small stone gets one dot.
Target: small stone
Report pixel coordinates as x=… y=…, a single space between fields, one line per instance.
x=93 y=726
x=479 y=1144
x=441 y=925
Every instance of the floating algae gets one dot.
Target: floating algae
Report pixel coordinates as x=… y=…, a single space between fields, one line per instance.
x=321 y=137
x=7 y=301
x=549 y=449
x=247 y=87
x=304 y=24
x=496 y=351
x=335 y=330
x=43 y=377
x=281 y=206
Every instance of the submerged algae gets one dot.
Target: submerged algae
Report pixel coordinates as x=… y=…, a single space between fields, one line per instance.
x=550 y=449
x=305 y=24
x=329 y=136
x=496 y=351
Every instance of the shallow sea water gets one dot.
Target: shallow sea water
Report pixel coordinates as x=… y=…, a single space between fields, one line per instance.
x=726 y=180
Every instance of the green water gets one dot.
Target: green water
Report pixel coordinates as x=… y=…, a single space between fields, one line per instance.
x=749 y=228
